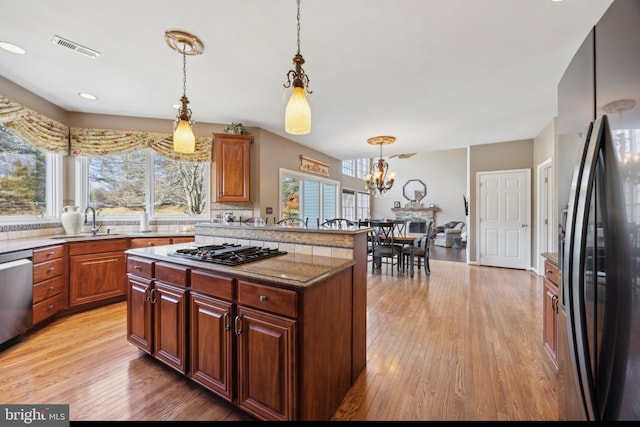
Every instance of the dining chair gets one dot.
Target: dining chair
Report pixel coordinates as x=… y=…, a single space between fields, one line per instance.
x=256 y=221
x=294 y=222
x=338 y=224
x=420 y=250
x=384 y=250
x=400 y=227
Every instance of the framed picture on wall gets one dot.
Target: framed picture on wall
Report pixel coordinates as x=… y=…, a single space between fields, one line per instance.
x=396 y=204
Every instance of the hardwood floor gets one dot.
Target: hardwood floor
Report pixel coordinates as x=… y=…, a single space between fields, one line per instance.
x=463 y=343
x=447 y=254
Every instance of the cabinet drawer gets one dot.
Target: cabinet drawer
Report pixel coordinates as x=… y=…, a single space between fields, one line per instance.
x=150 y=241
x=48 y=253
x=47 y=308
x=276 y=300
x=140 y=266
x=551 y=272
x=48 y=288
x=99 y=246
x=48 y=270
x=172 y=273
x=212 y=284
x=175 y=240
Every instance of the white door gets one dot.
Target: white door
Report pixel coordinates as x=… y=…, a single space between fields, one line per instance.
x=504 y=237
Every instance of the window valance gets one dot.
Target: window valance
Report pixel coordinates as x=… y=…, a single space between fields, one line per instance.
x=35 y=128
x=100 y=142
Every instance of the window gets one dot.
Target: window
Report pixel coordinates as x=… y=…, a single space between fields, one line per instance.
x=355 y=204
x=348 y=168
x=307 y=197
x=363 y=202
x=30 y=179
x=357 y=168
x=122 y=185
x=363 y=168
x=349 y=204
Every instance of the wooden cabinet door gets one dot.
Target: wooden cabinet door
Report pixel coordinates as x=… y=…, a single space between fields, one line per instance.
x=550 y=320
x=139 y=313
x=266 y=364
x=212 y=344
x=169 y=331
x=94 y=277
x=232 y=167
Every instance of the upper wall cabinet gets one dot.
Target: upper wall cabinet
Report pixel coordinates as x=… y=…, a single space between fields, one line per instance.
x=232 y=167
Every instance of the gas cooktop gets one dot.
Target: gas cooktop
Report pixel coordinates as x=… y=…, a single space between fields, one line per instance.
x=227 y=253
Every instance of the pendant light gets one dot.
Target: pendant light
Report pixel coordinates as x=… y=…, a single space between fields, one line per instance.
x=377 y=181
x=297 y=117
x=184 y=141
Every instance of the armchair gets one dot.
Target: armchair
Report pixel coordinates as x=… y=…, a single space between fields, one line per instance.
x=445 y=238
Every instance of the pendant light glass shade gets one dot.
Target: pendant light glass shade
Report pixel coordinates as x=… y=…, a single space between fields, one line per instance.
x=184 y=141
x=297 y=117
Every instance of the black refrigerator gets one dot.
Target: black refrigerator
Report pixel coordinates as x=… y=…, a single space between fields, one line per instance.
x=598 y=111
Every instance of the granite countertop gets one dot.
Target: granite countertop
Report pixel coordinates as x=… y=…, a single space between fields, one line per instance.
x=290 y=270
x=552 y=257
x=39 y=241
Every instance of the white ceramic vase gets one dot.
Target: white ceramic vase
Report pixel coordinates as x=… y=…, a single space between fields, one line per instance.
x=72 y=219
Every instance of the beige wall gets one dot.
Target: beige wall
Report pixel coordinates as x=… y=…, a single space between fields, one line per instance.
x=32 y=101
x=494 y=157
x=543 y=150
x=272 y=152
x=445 y=175
x=448 y=174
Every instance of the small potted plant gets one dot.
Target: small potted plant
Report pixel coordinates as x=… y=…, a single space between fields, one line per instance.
x=236 y=128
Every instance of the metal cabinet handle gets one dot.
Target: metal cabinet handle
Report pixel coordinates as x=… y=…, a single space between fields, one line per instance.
x=237 y=326
x=137 y=267
x=51 y=288
x=263 y=298
x=225 y=320
x=51 y=253
x=153 y=296
x=51 y=269
x=549 y=271
x=50 y=306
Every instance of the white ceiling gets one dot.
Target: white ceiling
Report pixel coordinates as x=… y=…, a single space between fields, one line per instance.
x=437 y=74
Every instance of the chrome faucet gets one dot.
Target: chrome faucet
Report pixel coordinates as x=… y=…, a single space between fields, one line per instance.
x=94 y=229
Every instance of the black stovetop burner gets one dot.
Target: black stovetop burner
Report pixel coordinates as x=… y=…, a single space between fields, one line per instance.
x=227 y=253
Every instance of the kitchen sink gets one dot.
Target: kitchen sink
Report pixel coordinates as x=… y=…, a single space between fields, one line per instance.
x=83 y=236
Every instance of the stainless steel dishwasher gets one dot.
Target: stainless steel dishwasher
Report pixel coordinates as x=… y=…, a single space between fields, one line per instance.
x=16 y=289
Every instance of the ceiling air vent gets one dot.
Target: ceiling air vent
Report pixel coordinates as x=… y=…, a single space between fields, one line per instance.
x=75 y=46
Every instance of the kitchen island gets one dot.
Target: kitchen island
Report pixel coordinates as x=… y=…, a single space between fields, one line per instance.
x=281 y=338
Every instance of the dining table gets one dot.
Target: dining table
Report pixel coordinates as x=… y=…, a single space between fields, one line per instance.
x=408 y=239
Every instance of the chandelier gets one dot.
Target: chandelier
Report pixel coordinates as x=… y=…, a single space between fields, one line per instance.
x=297 y=117
x=377 y=181
x=184 y=141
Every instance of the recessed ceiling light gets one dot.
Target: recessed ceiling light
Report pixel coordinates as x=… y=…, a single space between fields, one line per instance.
x=88 y=96
x=9 y=47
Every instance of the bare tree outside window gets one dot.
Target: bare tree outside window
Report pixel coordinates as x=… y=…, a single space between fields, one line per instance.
x=118 y=185
x=23 y=176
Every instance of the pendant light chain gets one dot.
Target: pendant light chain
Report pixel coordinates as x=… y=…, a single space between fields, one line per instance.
x=184 y=70
x=298 y=31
